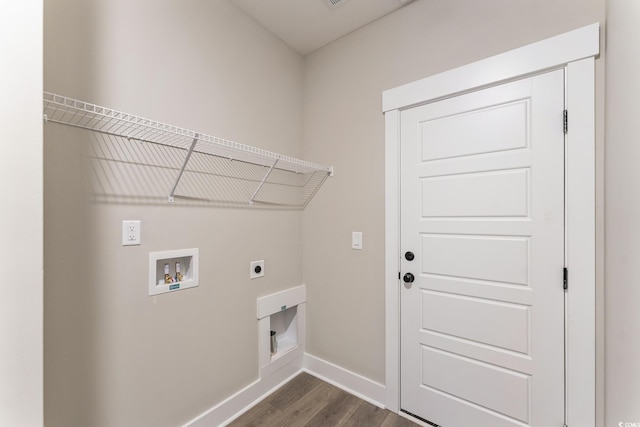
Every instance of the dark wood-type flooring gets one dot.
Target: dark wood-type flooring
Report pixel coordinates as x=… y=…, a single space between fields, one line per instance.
x=309 y=402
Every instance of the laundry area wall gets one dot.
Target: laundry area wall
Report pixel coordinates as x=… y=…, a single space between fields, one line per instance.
x=113 y=355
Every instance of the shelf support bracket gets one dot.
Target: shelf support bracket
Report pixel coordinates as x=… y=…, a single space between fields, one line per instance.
x=184 y=165
x=255 y=193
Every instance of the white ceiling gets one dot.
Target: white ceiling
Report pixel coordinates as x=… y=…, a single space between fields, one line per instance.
x=306 y=25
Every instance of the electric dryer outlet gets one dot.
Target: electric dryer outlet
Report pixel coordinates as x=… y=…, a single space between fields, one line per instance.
x=256 y=269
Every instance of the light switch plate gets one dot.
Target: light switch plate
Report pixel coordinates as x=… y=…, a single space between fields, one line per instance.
x=356 y=240
x=130 y=233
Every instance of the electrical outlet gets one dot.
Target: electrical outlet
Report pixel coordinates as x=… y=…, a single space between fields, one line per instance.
x=130 y=233
x=256 y=269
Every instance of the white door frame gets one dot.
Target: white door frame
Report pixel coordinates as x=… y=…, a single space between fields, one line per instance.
x=574 y=52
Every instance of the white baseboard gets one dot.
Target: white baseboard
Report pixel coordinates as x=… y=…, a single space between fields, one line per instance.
x=239 y=403
x=231 y=408
x=348 y=381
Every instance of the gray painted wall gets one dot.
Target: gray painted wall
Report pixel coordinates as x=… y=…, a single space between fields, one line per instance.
x=110 y=350
x=622 y=211
x=113 y=355
x=344 y=125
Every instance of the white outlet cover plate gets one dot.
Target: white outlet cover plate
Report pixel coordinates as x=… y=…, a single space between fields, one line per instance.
x=131 y=233
x=252 y=269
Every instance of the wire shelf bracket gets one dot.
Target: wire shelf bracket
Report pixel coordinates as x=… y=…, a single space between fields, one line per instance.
x=253 y=196
x=184 y=165
x=296 y=182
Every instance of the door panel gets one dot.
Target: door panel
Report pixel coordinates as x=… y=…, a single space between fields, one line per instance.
x=487 y=194
x=448 y=137
x=494 y=258
x=477 y=382
x=482 y=208
x=473 y=319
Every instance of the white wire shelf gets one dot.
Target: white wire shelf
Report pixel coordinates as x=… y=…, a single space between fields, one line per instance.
x=278 y=179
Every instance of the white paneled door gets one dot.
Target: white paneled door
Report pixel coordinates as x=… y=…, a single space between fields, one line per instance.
x=482 y=238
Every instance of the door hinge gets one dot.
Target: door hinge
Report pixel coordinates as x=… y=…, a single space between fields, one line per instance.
x=565 y=121
x=565 y=276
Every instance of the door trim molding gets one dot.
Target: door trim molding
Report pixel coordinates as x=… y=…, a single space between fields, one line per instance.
x=575 y=52
x=546 y=54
